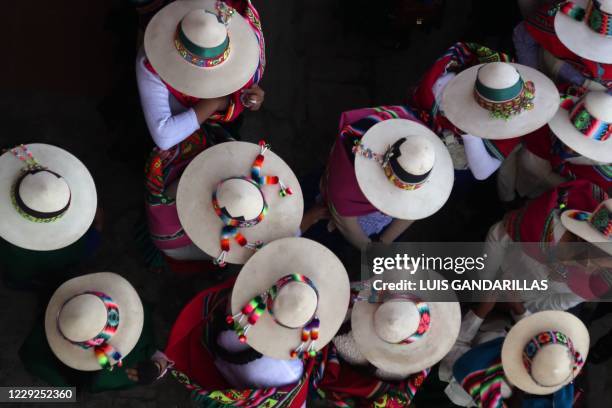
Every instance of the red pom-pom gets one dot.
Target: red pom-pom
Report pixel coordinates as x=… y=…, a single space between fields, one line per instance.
x=293 y=354
x=262 y=143
x=288 y=190
x=242 y=338
x=229 y=319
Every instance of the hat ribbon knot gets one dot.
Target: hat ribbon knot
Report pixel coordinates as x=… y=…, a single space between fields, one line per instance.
x=103 y=350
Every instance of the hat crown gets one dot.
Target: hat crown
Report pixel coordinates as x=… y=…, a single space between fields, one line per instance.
x=599 y=105
x=396 y=320
x=240 y=198
x=203 y=28
x=551 y=365
x=417 y=155
x=498 y=75
x=606 y=5
x=44 y=192
x=82 y=318
x=295 y=304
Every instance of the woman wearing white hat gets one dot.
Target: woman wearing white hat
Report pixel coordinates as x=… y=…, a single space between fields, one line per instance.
x=48 y=207
x=394 y=338
x=287 y=303
x=95 y=332
x=565 y=40
x=199 y=70
x=498 y=101
x=576 y=144
x=540 y=356
x=385 y=170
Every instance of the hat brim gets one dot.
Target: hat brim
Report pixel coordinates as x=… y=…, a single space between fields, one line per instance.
x=77 y=219
x=200 y=82
x=383 y=194
x=234 y=159
x=405 y=359
x=525 y=330
x=131 y=316
x=461 y=108
x=585 y=231
x=585 y=146
x=280 y=258
x=580 y=39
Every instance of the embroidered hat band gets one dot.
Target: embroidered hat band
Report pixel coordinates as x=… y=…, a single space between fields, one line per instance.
x=503 y=103
x=393 y=170
x=99 y=343
x=256 y=307
x=547 y=338
x=600 y=219
x=32 y=168
x=205 y=57
x=587 y=124
x=597 y=19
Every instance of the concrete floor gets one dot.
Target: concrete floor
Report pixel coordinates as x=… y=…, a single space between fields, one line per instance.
x=79 y=94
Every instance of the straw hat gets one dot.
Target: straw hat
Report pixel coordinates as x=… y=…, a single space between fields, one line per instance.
x=404 y=169
x=500 y=100
x=402 y=333
x=584 y=31
x=99 y=308
x=47 y=197
x=311 y=289
x=595 y=227
x=202 y=48
x=258 y=212
x=587 y=127
x=546 y=342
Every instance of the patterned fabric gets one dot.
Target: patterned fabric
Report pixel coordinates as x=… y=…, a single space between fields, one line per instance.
x=456 y=59
x=188 y=347
x=598 y=20
x=546 y=338
x=535 y=221
x=346 y=386
x=587 y=124
x=544 y=144
x=541 y=26
x=480 y=373
x=165 y=167
x=341 y=190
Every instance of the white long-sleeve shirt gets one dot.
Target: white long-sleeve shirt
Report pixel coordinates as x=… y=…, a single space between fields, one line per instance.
x=168 y=121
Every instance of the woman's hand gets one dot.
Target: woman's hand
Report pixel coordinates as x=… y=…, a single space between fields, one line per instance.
x=253 y=97
x=313 y=215
x=206 y=107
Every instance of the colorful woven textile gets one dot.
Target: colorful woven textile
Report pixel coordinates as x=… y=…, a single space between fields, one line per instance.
x=346 y=386
x=541 y=26
x=341 y=188
x=480 y=373
x=534 y=222
x=194 y=363
x=456 y=59
x=545 y=145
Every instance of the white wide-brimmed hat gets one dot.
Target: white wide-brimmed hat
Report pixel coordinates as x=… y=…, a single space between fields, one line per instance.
x=404 y=169
x=291 y=286
x=583 y=27
x=587 y=127
x=400 y=332
x=595 y=227
x=93 y=321
x=226 y=212
x=202 y=48
x=500 y=100
x=545 y=351
x=47 y=197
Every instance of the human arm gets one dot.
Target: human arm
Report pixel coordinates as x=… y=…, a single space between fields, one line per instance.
x=394 y=230
x=481 y=163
